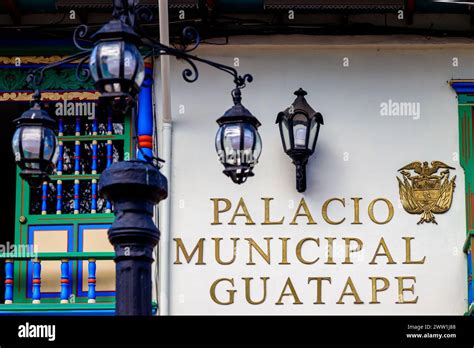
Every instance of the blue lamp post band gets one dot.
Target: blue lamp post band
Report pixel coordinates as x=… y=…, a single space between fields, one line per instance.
x=145 y=118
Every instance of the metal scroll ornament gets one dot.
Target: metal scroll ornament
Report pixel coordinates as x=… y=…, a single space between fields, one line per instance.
x=425 y=191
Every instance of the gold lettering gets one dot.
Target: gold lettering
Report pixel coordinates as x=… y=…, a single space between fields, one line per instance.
x=217 y=211
x=376 y=290
x=254 y=245
x=267 y=220
x=292 y=292
x=348 y=251
x=356 y=211
x=408 y=260
x=352 y=292
x=245 y=213
x=325 y=211
x=390 y=211
x=385 y=252
x=299 y=247
x=217 y=251
x=247 y=291
x=231 y=292
x=402 y=289
x=306 y=213
x=319 y=288
x=284 y=251
x=330 y=260
x=199 y=248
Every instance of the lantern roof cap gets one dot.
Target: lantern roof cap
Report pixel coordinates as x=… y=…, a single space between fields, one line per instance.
x=238 y=112
x=36 y=115
x=300 y=106
x=117 y=29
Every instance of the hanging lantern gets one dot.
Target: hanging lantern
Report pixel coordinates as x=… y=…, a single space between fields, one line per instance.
x=35 y=143
x=238 y=143
x=116 y=63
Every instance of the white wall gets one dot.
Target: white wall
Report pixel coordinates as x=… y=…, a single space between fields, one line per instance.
x=349 y=99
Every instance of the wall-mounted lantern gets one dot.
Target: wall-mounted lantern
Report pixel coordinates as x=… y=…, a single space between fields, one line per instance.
x=35 y=143
x=299 y=129
x=238 y=143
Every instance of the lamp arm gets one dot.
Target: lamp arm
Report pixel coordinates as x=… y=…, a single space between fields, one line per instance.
x=131 y=13
x=192 y=74
x=36 y=77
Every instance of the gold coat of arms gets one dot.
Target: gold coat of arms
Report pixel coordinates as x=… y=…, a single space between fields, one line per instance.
x=425 y=191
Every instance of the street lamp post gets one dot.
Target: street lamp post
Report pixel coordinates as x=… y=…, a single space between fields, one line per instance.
x=133 y=187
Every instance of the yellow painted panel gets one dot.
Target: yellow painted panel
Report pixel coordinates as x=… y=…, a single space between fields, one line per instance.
x=50 y=241
x=96 y=240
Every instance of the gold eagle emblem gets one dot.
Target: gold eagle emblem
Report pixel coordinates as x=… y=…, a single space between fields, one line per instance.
x=426 y=193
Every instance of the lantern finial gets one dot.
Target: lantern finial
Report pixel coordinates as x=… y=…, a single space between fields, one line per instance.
x=237 y=96
x=300 y=92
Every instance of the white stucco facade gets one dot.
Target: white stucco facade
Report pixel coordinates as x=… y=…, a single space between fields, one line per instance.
x=358 y=154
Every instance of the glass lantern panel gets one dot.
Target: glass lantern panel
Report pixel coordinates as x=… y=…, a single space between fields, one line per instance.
x=129 y=61
x=299 y=134
x=31 y=142
x=220 y=151
x=16 y=145
x=140 y=73
x=232 y=137
x=286 y=134
x=109 y=53
x=56 y=155
x=133 y=61
x=312 y=134
x=258 y=147
x=247 y=155
x=218 y=140
x=93 y=64
x=49 y=144
x=300 y=126
x=232 y=143
x=249 y=136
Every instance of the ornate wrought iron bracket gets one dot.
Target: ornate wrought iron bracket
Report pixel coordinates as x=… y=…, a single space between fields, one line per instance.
x=131 y=13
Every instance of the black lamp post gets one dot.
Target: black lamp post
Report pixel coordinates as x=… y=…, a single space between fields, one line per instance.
x=35 y=143
x=299 y=129
x=133 y=187
x=238 y=143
